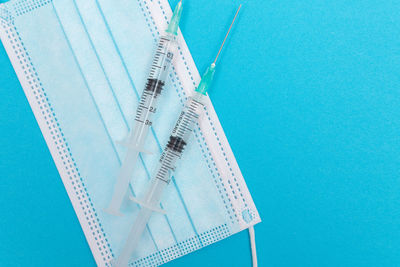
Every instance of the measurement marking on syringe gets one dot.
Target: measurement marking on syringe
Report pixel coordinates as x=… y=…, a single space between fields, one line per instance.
x=186 y=128
x=192 y=113
x=168 y=163
x=142 y=106
x=169 y=157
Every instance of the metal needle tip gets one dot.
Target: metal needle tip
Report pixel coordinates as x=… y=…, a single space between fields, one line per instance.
x=227 y=34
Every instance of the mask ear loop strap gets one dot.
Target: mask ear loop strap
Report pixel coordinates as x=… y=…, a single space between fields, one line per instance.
x=253 y=246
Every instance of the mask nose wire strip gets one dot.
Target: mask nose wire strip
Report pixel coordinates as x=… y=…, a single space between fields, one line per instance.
x=253 y=246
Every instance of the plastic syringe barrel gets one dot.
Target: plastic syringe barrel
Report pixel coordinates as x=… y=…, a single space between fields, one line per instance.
x=167 y=164
x=143 y=120
x=122 y=184
x=152 y=199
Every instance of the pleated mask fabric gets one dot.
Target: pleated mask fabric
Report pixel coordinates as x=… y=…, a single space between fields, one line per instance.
x=83 y=65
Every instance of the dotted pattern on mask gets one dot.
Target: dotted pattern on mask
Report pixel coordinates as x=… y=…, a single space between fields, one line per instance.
x=25 y=6
x=53 y=128
x=5 y=14
x=184 y=247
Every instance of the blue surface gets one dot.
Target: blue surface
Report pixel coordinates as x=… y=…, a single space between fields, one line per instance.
x=308 y=95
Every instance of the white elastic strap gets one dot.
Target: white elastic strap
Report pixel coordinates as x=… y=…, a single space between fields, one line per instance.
x=253 y=246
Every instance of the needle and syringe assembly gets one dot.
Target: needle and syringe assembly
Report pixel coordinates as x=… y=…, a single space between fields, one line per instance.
x=168 y=160
x=146 y=110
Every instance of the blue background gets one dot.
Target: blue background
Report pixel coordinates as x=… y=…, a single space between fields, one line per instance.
x=308 y=95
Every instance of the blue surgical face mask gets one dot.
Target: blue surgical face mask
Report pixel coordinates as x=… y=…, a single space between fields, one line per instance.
x=83 y=65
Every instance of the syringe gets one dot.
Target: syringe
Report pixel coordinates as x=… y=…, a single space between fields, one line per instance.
x=167 y=163
x=146 y=110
